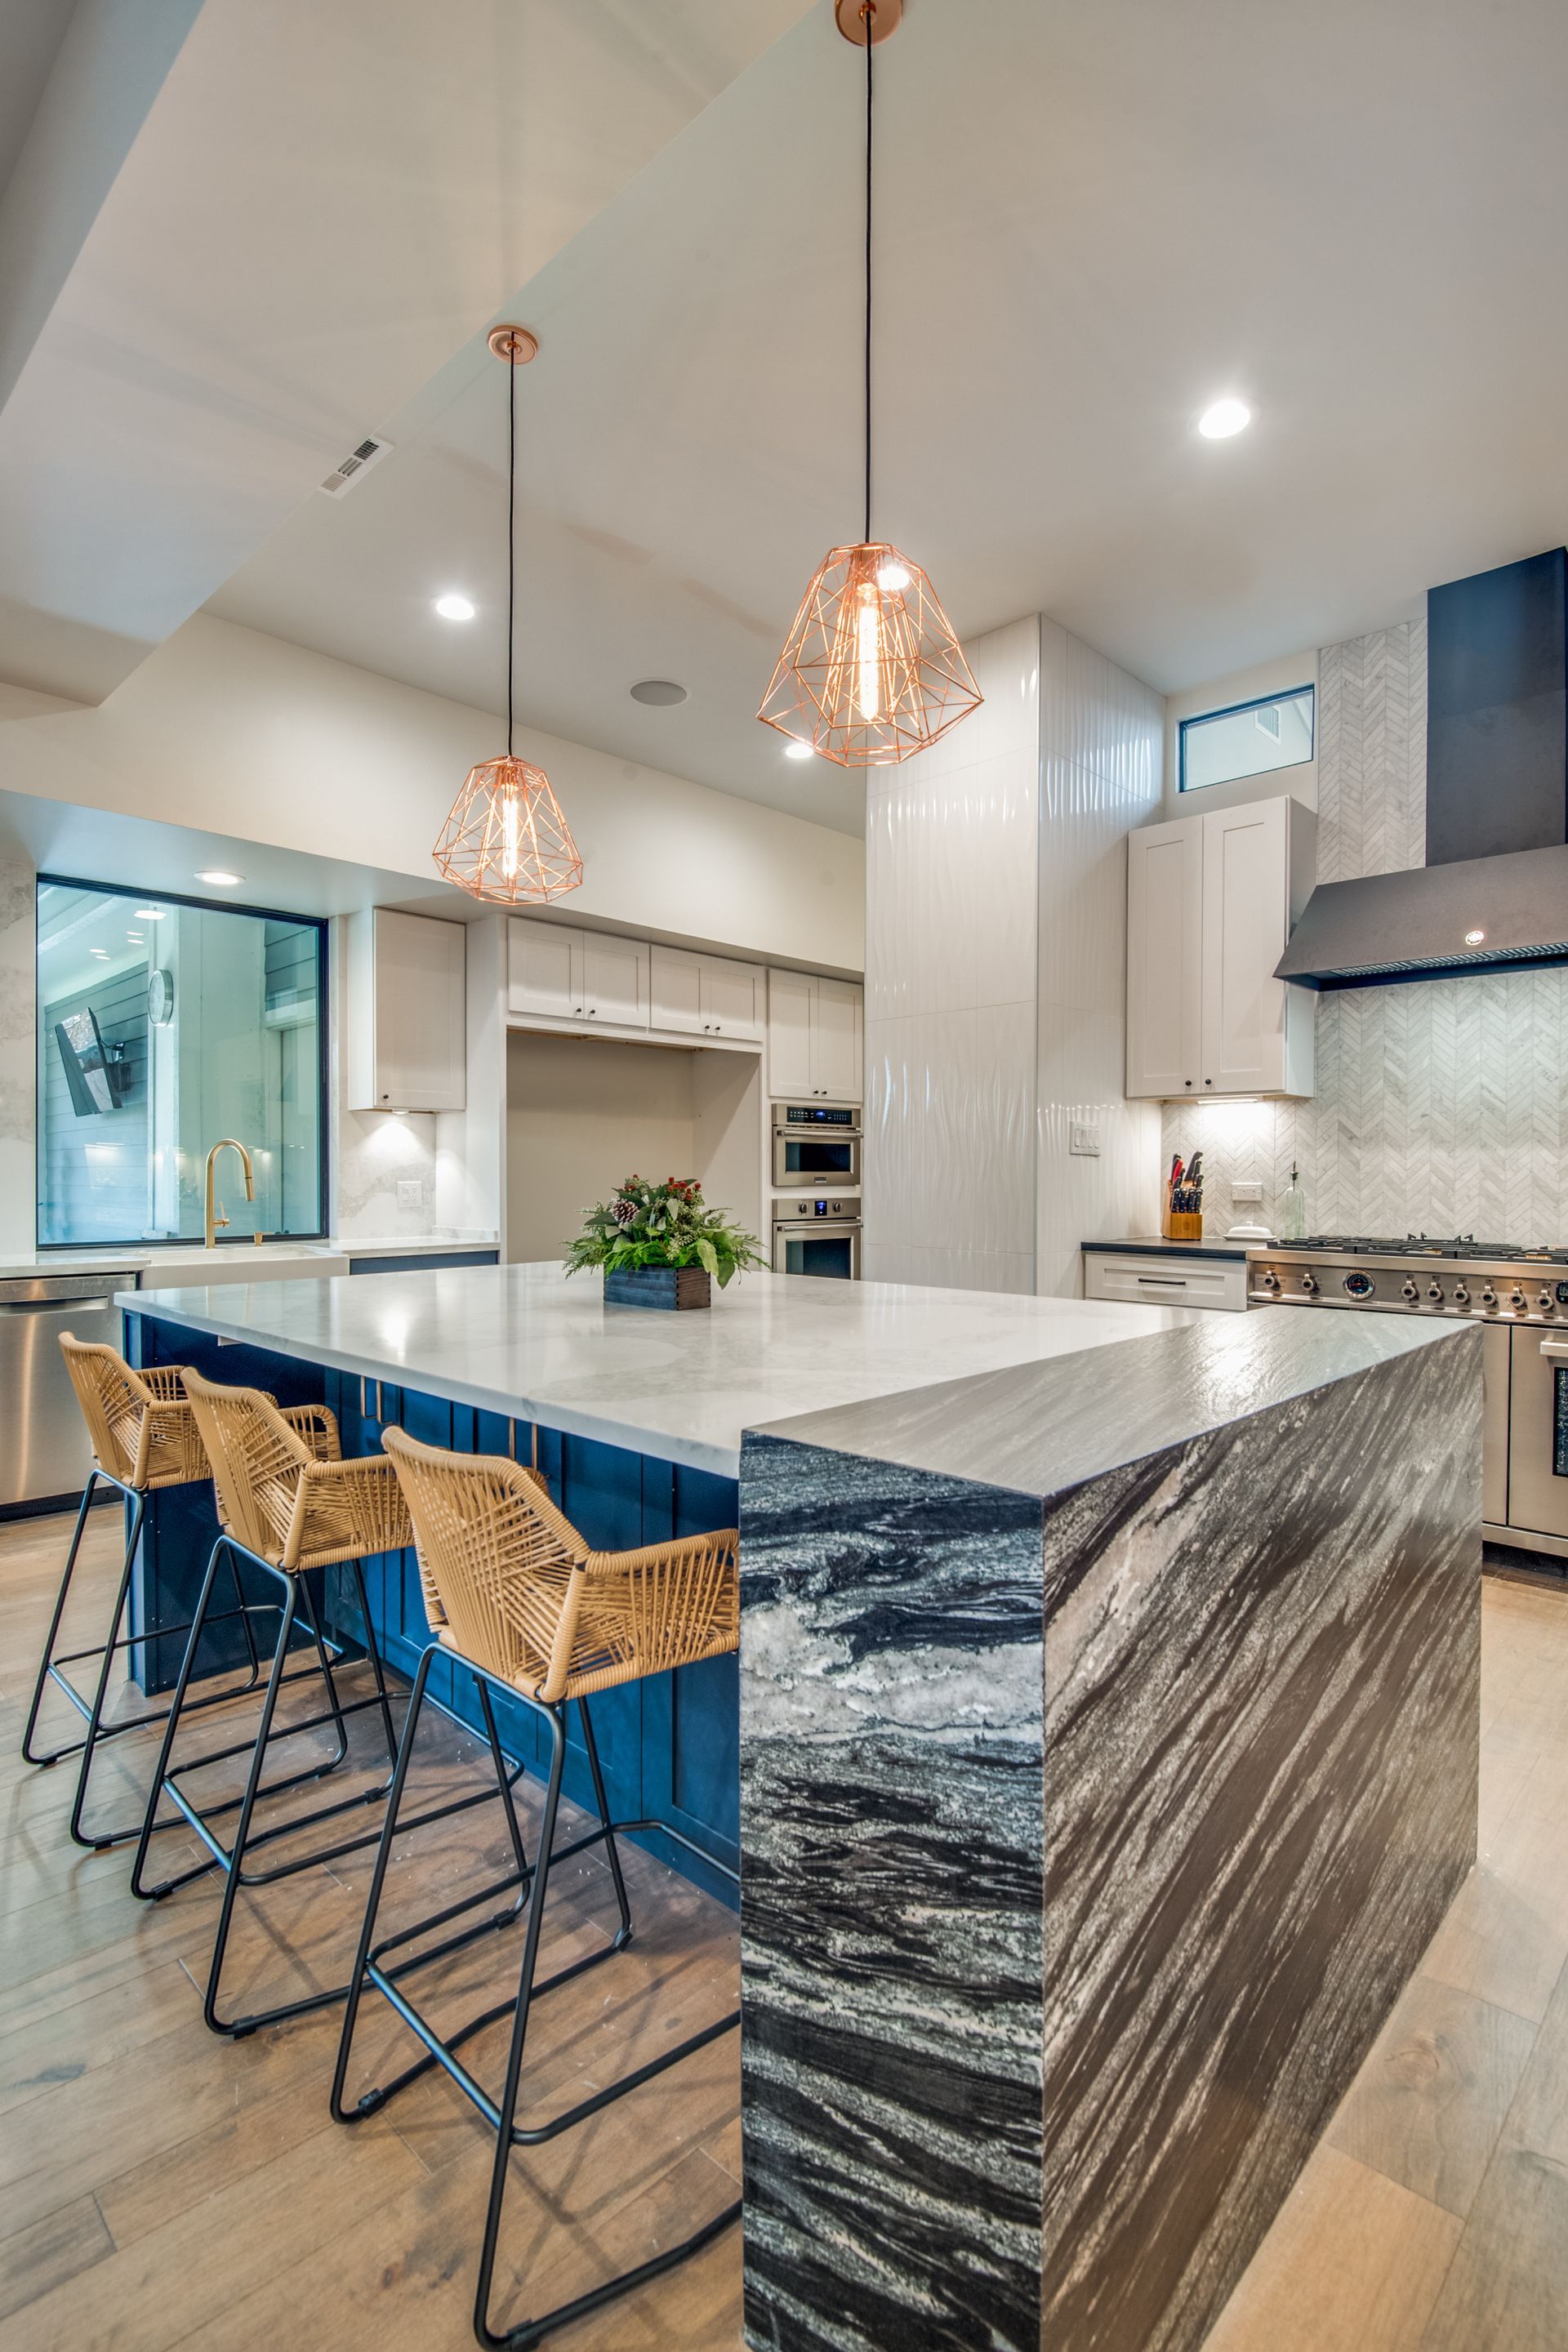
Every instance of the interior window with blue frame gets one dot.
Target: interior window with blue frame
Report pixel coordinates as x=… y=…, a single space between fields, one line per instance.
x=1248 y=738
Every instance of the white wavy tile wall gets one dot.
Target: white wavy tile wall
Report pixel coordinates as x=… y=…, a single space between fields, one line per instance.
x=994 y=976
x=1442 y=1107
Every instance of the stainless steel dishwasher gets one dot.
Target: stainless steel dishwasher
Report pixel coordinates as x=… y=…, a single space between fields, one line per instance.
x=44 y=1452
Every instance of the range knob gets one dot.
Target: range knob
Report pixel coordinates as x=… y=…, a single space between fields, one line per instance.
x=1489 y=1297
x=1435 y=1293
x=1516 y=1297
x=1409 y=1287
x=1546 y=1302
x=1270 y=1279
x=1308 y=1282
x=1461 y=1294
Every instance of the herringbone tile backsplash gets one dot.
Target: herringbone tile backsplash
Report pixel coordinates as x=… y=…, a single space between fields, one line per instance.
x=1442 y=1106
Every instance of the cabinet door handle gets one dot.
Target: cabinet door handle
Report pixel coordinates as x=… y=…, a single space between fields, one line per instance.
x=1558 y=1348
x=1162 y=1281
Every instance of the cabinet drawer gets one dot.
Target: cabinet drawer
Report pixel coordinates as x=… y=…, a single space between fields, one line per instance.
x=1168 y=1281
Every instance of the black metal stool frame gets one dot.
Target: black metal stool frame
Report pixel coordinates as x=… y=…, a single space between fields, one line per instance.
x=294 y=1608
x=502 y=2117
x=52 y=1668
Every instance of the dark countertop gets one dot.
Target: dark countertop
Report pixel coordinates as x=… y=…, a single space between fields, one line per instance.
x=1156 y=1246
x=1038 y=1429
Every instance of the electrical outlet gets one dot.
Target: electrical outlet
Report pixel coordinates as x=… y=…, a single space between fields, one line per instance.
x=410 y=1192
x=1083 y=1137
x=1248 y=1191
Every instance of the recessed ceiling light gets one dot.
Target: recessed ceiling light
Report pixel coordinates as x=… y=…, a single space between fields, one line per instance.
x=453 y=607
x=150 y=914
x=220 y=880
x=799 y=752
x=1222 y=418
x=659 y=691
x=1474 y=939
x=100 y=952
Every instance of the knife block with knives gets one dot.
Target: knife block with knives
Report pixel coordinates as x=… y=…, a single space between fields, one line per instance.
x=1183 y=1216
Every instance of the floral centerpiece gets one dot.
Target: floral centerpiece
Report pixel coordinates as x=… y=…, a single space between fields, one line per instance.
x=660 y=1244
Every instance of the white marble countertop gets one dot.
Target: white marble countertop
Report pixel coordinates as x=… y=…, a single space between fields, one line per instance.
x=526 y=1341
x=169 y=1256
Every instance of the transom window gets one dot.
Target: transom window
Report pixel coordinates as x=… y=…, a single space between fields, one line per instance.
x=1247 y=739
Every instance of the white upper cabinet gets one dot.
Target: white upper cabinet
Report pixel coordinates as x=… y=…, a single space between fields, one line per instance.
x=1165 y=956
x=814 y=1038
x=677 y=985
x=406 y=1028
x=734 y=997
x=615 y=980
x=1210 y=900
x=545 y=969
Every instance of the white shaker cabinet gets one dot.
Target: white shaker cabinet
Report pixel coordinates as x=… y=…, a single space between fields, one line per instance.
x=1211 y=901
x=563 y=974
x=406 y=1029
x=707 y=996
x=814 y=1038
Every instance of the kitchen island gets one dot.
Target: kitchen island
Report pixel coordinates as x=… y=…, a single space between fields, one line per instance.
x=1107 y=1738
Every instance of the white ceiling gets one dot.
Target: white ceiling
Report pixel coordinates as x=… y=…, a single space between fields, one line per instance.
x=1092 y=218
x=240 y=234
x=34 y=31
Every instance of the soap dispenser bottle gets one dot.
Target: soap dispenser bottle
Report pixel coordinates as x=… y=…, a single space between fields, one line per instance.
x=1293 y=1210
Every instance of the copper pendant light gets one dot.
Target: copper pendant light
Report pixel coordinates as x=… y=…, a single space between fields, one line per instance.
x=871 y=671
x=506 y=839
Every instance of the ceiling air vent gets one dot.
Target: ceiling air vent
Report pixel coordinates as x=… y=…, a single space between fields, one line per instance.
x=354 y=466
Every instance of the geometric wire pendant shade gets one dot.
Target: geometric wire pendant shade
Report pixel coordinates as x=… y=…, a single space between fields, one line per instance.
x=506 y=839
x=871 y=671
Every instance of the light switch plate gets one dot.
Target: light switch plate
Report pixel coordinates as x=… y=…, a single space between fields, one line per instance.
x=1247 y=1191
x=410 y=1192
x=1083 y=1137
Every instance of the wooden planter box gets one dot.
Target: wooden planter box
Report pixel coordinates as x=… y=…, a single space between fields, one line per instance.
x=669 y=1286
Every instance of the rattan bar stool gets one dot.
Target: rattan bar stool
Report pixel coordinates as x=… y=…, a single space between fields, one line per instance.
x=144 y=1438
x=287 y=1503
x=520 y=1600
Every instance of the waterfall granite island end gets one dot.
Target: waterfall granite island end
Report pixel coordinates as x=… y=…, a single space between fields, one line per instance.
x=1107 y=1738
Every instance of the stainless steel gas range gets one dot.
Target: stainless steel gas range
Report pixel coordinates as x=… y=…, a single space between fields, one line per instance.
x=1520 y=1295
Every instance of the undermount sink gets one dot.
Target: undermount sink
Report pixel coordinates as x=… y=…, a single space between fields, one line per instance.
x=185 y=1270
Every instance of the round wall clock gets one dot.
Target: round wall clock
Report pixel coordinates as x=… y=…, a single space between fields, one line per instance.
x=160 y=998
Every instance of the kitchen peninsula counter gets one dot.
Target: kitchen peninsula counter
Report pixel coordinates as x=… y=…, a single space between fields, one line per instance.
x=1100 y=1760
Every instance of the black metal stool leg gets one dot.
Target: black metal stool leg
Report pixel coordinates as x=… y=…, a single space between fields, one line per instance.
x=137 y=1513
x=611 y=1849
x=242 y=1831
x=171 y=1723
x=55 y=1754
x=372 y=1652
x=514 y=1827
x=378 y=1880
x=508 y=2109
x=300 y=1586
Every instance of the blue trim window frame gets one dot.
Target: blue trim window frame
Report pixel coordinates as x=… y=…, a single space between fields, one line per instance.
x=1238 y=711
x=323 y=1058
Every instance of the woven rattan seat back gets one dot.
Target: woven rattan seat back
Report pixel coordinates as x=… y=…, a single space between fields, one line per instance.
x=256 y=1461
x=520 y=1593
x=140 y=1426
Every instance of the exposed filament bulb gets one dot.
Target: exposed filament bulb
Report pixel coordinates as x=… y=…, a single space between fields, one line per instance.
x=868 y=651
x=509 y=834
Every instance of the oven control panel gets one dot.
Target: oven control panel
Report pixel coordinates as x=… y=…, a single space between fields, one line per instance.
x=1512 y=1291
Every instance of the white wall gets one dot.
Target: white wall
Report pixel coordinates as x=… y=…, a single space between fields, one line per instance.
x=224 y=727
x=1277 y=676
x=583 y=1113
x=1101 y=733
x=951 y=987
x=996 y=976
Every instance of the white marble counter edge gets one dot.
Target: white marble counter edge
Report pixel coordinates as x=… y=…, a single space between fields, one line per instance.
x=690 y=1454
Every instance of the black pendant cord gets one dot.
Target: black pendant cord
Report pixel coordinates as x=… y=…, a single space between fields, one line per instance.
x=511 y=530
x=866 y=14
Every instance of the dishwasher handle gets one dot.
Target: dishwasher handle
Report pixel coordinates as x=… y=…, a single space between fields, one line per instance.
x=67 y=1307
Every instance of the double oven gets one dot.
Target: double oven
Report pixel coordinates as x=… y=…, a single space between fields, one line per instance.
x=816 y=1190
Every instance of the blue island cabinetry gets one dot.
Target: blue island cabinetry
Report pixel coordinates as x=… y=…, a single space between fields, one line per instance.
x=669 y=1746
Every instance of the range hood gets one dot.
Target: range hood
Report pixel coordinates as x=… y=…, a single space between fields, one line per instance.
x=1493 y=894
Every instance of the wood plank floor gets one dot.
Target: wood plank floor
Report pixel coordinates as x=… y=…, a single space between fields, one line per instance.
x=160 y=2187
